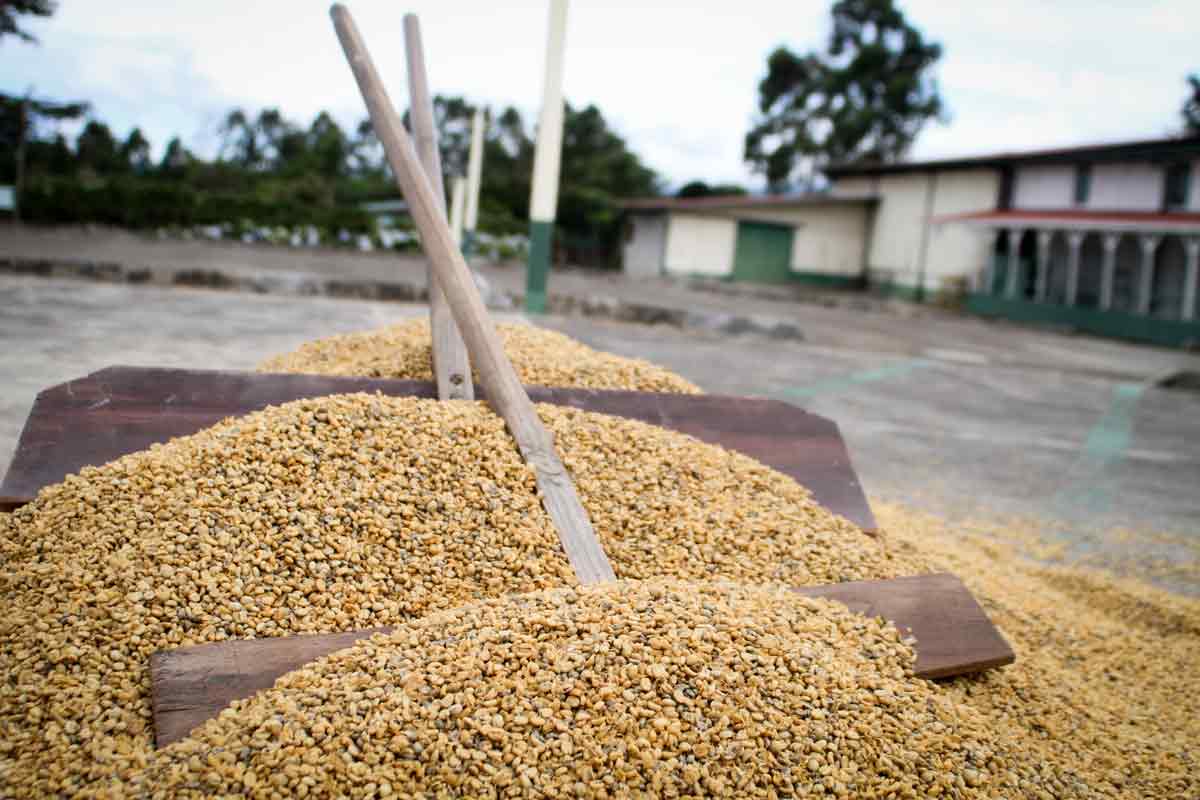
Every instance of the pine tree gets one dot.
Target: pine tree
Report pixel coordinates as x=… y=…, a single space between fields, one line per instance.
x=865 y=98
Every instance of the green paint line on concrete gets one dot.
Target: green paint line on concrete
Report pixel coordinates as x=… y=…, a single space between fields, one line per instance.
x=1105 y=446
x=1111 y=435
x=541 y=239
x=856 y=379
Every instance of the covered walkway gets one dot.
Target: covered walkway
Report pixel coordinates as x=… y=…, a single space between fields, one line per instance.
x=1126 y=274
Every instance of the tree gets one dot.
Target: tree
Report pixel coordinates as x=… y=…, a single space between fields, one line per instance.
x=507 y=171
x=175 y=160
x=864 y=99
x=452 y=117
x=49 y=157
x=240 y=140
x=96 y=148
x=366 y=152
x=21 y=121
x=11 y=9
x=598 y=169
x=275 y=137
x=702 y=189
x=1191 y=107
x=135 y=152
x=19 y=116
x=328 y=147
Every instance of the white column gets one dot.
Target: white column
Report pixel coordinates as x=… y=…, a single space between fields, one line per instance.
x=1108 y=269
x=1074 y=243
x=547 y=153
x=1014 y=262
x=474 y=172
x=1192 y=246
x=1043 y=265
x=1146 y=277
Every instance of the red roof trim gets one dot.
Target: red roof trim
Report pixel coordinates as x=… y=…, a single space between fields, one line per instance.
x=1073 y=215
x=741 y=201
x=1137 y=150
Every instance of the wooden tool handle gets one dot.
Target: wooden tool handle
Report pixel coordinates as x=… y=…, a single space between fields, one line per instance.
x=504 y=389
x=451 y=367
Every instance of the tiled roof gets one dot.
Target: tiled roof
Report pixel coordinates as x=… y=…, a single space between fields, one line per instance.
x=1185 y=147
x=741 y=201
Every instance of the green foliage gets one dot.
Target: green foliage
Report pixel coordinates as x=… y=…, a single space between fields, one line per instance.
x=274 y=172
x=21 y=122
x=864 y=99
x=702 y=189
x=135 y=152
x=10 y=10
x=597 y=170
x=142 y=202
x=1191 y=106
x=96 y=149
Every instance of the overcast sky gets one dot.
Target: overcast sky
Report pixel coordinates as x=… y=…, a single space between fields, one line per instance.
x=677 y=79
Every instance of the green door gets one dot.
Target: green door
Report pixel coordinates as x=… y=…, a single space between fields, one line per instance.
x=763 y=253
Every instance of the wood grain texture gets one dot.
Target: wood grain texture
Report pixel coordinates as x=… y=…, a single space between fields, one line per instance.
x=954 y=635
x=120 y=410
x=496 y=373
x=451 y=367
x=193 y=684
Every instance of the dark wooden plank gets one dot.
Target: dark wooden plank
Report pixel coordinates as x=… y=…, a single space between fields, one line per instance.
x=120 y=410
x=954 y=635
x=193 y=684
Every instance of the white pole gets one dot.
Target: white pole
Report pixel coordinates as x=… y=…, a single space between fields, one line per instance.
x=458 y=199
x=548 y=150
x=474 y=175
x=547 y=156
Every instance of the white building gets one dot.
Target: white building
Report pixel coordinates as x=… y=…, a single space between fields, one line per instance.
x=1105 y=238
x=765 y=239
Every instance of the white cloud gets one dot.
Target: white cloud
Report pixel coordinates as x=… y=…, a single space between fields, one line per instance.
x=677 y=79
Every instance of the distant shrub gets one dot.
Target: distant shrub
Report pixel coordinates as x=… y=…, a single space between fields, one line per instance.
x=137 y=202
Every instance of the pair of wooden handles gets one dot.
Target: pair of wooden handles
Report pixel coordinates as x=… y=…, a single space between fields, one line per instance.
x=451 y=275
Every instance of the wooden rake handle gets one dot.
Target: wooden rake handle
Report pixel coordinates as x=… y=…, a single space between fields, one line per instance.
x=451 y=367
x=496 y=373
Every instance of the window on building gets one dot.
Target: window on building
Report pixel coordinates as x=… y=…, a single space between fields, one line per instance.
x=1175 y=187
x=1083 y=183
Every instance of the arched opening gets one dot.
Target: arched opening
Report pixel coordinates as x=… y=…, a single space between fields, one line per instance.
x=1056 y=269
x=1091 y=272
x=1000 y=250
x=1125 y=276
x=1170 y=272
x=1027 y=266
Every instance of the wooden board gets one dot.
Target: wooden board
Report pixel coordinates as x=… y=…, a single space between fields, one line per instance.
x=120 y=410
x=193 y=684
